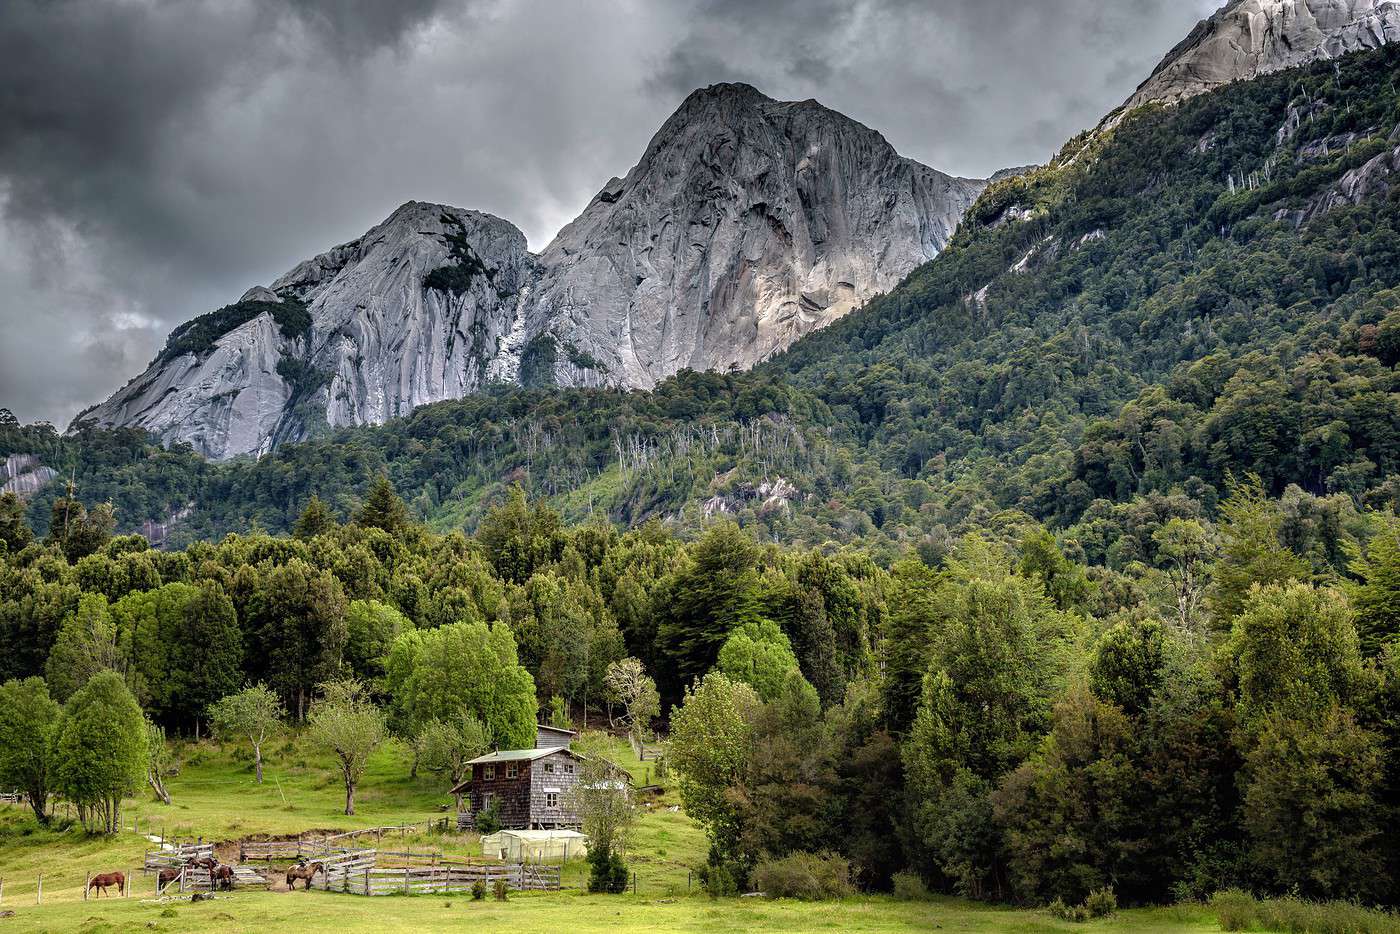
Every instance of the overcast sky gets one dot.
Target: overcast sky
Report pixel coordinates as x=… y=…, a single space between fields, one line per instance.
x=157 y=157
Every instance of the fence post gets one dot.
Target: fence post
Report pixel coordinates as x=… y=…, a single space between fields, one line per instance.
x=368 y=890
x=405 y=880
x=130 y=878
x=2 y=891
x=39 y=894
x=87 y=882
x=634 y=883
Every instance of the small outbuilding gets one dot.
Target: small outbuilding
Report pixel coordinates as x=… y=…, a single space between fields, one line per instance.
x=553 y=737
x=535 y=846
x=529 y=789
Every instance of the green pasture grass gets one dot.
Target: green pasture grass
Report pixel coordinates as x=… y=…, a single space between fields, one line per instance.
x=215 y=798
x=569 y=912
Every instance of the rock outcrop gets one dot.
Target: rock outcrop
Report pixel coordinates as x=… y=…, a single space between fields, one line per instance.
x=748 y=223
x=1249 y=38
x=24 y=475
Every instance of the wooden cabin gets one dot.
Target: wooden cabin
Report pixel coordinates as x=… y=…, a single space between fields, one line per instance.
x=531 y=788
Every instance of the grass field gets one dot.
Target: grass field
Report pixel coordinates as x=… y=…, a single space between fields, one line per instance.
x=565 y=912
x=215 y=798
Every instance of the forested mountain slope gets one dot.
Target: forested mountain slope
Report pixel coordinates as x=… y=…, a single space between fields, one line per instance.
x=1204 y=290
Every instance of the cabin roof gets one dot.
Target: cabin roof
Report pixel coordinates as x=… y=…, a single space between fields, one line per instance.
x=522 y=755
x=546 y=728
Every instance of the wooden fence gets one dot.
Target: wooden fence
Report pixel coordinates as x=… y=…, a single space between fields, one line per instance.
x=13 y=797
x=173 y=857
x=362 y=877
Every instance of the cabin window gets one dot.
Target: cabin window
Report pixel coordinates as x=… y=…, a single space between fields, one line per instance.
x=548 y=767
x=512 y=770
x=569 y=767
x=551 y=799
x=488 y=773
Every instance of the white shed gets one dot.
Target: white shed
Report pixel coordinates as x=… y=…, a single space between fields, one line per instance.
x=534 y=846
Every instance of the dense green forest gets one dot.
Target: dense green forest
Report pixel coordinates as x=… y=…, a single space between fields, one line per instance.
x=1002 y=721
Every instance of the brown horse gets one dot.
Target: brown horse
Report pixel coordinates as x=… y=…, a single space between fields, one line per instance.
x=303 y=871
x=165 y=877
x=222 y=877
x=107 y=879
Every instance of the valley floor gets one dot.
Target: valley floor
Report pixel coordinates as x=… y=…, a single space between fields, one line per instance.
x=569 y=912
x=215 y=799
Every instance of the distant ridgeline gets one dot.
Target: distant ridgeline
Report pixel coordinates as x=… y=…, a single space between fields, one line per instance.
x=1202 y=292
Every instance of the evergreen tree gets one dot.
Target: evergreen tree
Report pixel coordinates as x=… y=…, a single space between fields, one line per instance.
x=15 y=533
x=316 y=520
x=702 y=603
x=382 y=509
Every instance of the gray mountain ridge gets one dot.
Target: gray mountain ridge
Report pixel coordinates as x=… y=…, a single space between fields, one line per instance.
x=747 y=223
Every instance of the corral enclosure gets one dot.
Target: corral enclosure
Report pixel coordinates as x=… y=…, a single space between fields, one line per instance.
x=369 y=872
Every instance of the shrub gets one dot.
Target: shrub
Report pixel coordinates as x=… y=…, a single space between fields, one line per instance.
x=909 y=887
x=806 y=876
x=1101 y=903
x=719 y=880
x=1234 y=909
x=500 y=890
x=478 y=890
x=608 y=873
x=488 y=821
x=1075 y=913
x=1240 y=911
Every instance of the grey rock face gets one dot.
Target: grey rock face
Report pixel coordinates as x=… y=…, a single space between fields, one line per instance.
x=384 y=340
x=747 y=224
x=1248 y=38
x=229 y=400
x=24 y=475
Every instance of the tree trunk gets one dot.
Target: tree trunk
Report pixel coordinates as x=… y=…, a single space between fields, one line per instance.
x=39 y=804
x=257 y=761
x=349 y=797
x=158 y=786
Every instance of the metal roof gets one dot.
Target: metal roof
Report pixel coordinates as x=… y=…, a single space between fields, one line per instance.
x=522 y=755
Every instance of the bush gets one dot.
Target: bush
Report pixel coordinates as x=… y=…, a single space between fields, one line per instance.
x=1240 y=911
x=1101 y=903
x=909 y=887
x=806 y=876
x=478 y=890
x=608 y=873
x=488 y=821
x=719 y=880
x=500 y=890
x=1234 y=909
x=1075 y=913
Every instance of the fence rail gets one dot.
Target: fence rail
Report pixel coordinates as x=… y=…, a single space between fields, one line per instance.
x=176 y=856
x=362 y=877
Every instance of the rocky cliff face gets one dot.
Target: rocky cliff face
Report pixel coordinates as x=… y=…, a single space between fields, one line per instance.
x=748 y=223
x=410 y=313
x=1248 y=38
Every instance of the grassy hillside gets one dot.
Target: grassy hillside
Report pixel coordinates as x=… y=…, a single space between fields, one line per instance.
x=215 y=797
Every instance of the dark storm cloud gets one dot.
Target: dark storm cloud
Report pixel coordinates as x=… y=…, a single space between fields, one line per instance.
x=159 y=156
